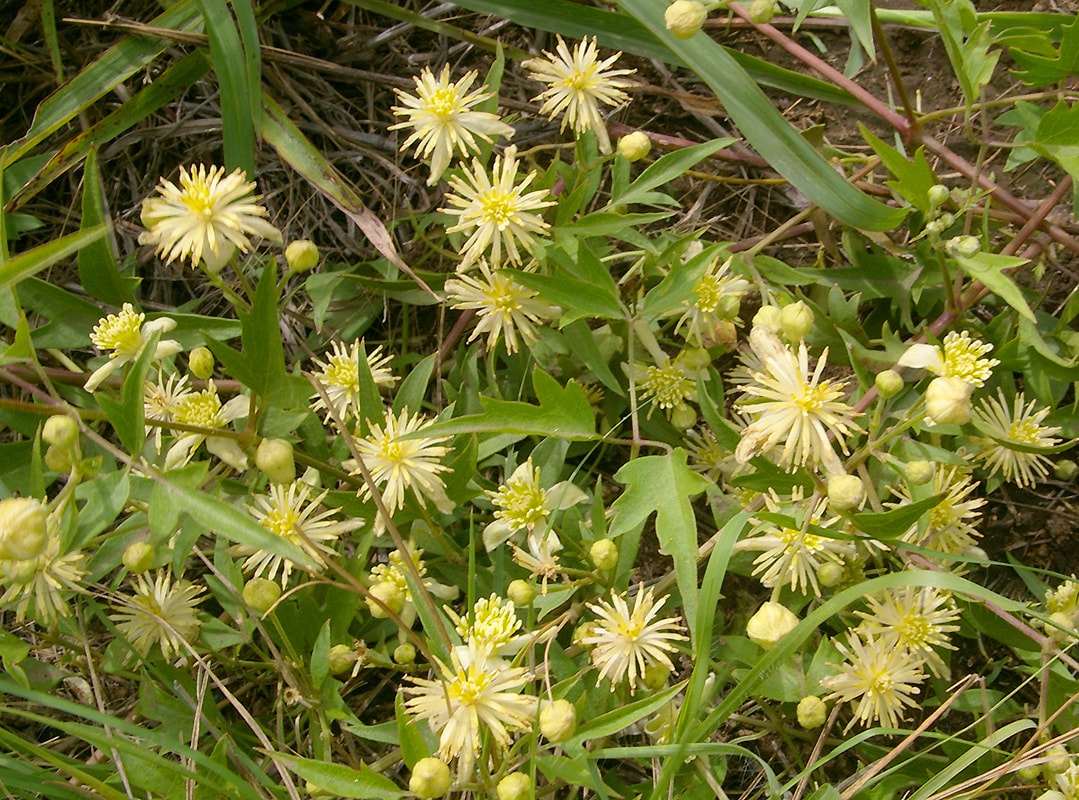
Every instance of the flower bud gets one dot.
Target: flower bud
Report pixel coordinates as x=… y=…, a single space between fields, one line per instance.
x=1063 y=627
x=947 y=401
x=515 y=786
x=301 y=255
x=20 y=572
x=1065 y=470
x=685 y=17
x=830 y=574
x=655 y=676
x=341 y=658
x=404 y=654
x=59 y=459
x=1059 y=761
x=845 y=491
x=634 y=146
x=200 y=362
x=769 y=317
x=812 y=712
x=965 y=246
x=938 y=195
x=761 y=11
x=796 y=320
x=390 y=594
x=604 y=554
x=260 y=594
x=521 y=592
x=138 y=557
x=696 y=358
x=889 y=383
x=1029 y=773
x=770 y=624
x=918 y=473
x=430 y=778
x=274 y=458
x=23 y=528
x=586 y=630
x=557 y=720
x=60 y=431
x=683 y=416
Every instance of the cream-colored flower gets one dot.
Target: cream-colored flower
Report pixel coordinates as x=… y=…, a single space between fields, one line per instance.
x=393 y=573
x=474 y=694
x=39 y=587
x=491 y=626
x=162 y=613
x=289 y=513
x=716 y=301
x=207 y=218
x=339 y=375
x=124 y=336
x=707 y=456
x=880 y=677
x=541 y=557
x=504 y=307
x=160 y=401
x=625 y=643
x=792 y=406
x=397 y=463
x=952 y=527
x=1020 y=427
x=959 y=356
x=205 y=411
x=521 y=504
x=442 y=118
x=672 y=385
x=496 y=211
x=578 y=83
x=917 y=619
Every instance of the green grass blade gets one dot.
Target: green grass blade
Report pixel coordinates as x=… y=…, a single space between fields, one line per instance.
x=99 y=272
x=33 y=261
x=766 y=129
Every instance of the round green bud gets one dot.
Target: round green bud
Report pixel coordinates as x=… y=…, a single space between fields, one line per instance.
x=845 y=491
x=889 y=383
x=24 y=530
x=830 y=574
x=812 y=712
x=796 y=320
x=761 y=11
x=301 y=255
x=729 y=306
x=139 y=557
x=604 y=554
x=521 y=592
x=60 y=431
x=683 y=416
x=274 y=457
x=557 y=720
x=770 y=624
x=1030 y=773
x=938 y=195
x=341 y=658
x=260 y=594
x=696 y=358
x=200 y=362
x=655 y=676
x=769 y=317
x=430 y=778
x=684 y=18
x=1059 y=760
x=1065 y=470
x=964 y=246
x=634 y=146
x=391 y=595
x=404 y=654
x=59 y=459
x=20 y=572
x=919 y=473
x=515 y=786
x=947 y=401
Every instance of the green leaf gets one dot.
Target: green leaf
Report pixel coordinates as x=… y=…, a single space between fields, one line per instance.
x=621 y=717
x=128 y=416
x=914 y=176
x=967 y=45
x=413 y=388
x=892 y=523
x=666 y=168
x=1037 y=69
x=578 y=299
x=413 y=745
x=989 y=269
x=99 y=271
x=562 y=413
x=31 y=262
x=664 y=484
x=340 y=780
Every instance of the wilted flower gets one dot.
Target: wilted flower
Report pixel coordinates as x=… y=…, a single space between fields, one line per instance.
x=496 y=211
x=578 y=83
x=124 y=336
x=504 y=307
x=541 y=557
x=339 y=375
x=1021 y=427
x=204 y=410
x=960 y=356
x=442 y=118
x=208 y=218
x=521 y=504
x=162 y=613
x=880 y=677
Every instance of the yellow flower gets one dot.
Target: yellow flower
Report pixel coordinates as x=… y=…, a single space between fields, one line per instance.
x=521 y=504
x=503 y=306
x=1021 y=426
x=578 y=83
x=959 y=356
x=918 y=620
x=496 y=211
x=40 y=585
x=952 y=522
x=879 y=676
x=207 y=218
x=443 y=120
x=339 y=375
x=492 y=626
x=672 y=384
x=124 y=337
x=162 y=613
x=204 y=410
x=626 y=643
x=160 y=401
x=288 y=513
x=716 y=300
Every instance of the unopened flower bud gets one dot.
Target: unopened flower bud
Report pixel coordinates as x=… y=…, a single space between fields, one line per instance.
x=301 y=255
x=729 y=306
x=812 y=712
x=965 y=246
x=947 y=401
x=274 y=457
x=586 y=630
x=761 y=11
x=685 y=17
x=889 y=383
x=391 y=595
x=23 y=528
x=521 y=592
x=918 y=473
x=1065 y=470
x=604 y=554
x=696 y=358
x=655 y=676
x=404 y=654
x=830 y=574
x=200 y=362
x=683 y=416
x=60 y=431
x=1062 y=628
x=796 y=320
x=1060 y=759
x=515 y=786
x=938 y=195
x=769 y=317
x=845 y=491
x=138 y=557
x=341 y=658
x=634 y=146
x=771 y=623
x=1029 y=773
x=557 y=720
x=59 y=459
x=260 y=594
x=430 y=778
x=21 y=572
